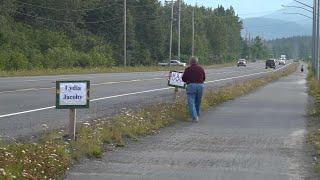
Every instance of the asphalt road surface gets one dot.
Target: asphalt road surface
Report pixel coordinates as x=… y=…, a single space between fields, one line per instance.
x=26 y=103
x=260 y=136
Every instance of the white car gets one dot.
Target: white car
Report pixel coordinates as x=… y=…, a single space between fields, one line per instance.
x=282 y=62
x=242 y=62
x=173 y=63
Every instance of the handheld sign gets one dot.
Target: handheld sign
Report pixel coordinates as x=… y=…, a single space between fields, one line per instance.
x=175 y=80
x=72 y=94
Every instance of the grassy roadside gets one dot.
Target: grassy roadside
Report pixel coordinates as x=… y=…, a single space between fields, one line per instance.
x=68 y=71
x=53 y=154
x=314 y=117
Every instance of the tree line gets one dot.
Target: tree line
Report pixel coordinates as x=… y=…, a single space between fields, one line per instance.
x=298 y=47
x=255 y=49
x=36 y=34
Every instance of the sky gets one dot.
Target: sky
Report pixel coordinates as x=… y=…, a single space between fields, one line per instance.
x=245 y=8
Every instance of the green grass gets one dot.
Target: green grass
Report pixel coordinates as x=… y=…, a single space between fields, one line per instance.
x=68 y=71
x=53 y=154
x=314 y=117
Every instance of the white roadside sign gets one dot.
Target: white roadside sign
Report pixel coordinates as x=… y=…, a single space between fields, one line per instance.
x=72 y=94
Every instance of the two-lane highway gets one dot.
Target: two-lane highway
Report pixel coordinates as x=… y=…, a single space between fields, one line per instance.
x=28 y=102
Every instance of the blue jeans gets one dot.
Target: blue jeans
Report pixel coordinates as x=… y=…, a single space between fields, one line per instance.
x=194 y=93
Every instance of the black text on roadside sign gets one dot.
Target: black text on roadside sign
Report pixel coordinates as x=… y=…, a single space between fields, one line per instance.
x=72 y=94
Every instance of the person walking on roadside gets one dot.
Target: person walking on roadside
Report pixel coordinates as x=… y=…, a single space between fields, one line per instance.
x=194 y=76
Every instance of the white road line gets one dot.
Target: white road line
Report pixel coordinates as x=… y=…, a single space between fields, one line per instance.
x=135 y=93
x=19 y=90
x=93 y=100
x=236 y=77
x=106 y=83
x=66 y=77
x=97 y=84
x=230 y=72
x=118 y=82
x=129 y=94
x=25 y=112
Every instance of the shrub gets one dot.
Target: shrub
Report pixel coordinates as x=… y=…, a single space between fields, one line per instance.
x=15 y=61
x=101 y=56
x=60 y=57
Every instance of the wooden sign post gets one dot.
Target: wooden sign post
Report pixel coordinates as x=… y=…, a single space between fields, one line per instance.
x=72 y=95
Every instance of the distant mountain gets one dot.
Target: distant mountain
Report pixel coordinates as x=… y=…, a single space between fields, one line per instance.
x=278 y=24
x=273 y=28
x=297 y=18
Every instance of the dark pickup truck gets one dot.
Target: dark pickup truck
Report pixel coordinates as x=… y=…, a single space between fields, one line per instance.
x=271 y=63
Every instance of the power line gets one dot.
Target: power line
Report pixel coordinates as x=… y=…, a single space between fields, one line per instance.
x=298 y=7
x=299 y=14
x=303 y=4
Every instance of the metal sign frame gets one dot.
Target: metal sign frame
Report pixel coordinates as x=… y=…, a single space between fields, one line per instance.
x=58 y=106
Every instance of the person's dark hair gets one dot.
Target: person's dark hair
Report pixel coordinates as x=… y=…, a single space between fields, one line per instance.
x=193 y=60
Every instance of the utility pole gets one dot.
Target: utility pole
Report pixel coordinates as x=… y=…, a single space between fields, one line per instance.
x=125 y=32
x=315 y=32
x=193 y=31
x=313 y=35
x=317 y=40
x=171 y=27
x=249 y=47
x=179 y=28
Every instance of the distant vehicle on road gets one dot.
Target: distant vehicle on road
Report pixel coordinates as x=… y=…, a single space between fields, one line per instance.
x=283 y=57
x=282 y=62
x=173 y=63
x=242 y=62
x=271 y=63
